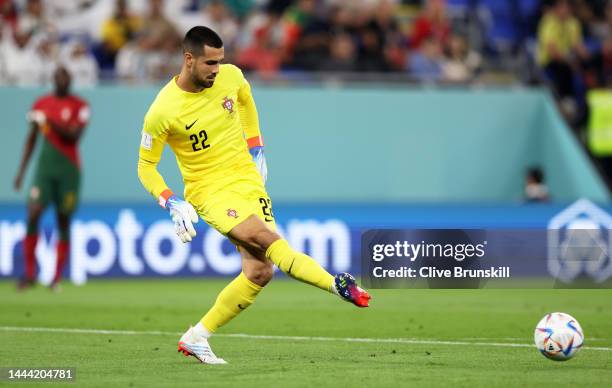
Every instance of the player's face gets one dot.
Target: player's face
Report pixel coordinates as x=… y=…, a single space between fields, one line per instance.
x=61 y=78
x=204 y=68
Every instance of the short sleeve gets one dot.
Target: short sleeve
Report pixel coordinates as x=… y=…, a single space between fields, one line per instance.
x=84 y=114
x=37 y=113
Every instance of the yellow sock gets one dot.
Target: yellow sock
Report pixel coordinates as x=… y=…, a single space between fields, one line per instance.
x=298 y=265
x=235 y=297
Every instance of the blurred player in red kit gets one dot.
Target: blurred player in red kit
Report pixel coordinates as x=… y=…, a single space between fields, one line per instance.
x=61 y=118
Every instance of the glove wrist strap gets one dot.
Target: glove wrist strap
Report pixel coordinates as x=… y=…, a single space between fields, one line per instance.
x=163 y=197
x=255 y=141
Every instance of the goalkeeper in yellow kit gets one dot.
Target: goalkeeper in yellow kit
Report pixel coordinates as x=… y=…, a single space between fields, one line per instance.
x=208 y=117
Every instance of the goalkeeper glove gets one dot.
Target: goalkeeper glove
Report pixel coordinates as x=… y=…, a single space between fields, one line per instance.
x=183 y=215
x=260 y=161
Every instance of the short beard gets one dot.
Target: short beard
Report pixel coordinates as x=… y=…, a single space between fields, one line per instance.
x=201 y=83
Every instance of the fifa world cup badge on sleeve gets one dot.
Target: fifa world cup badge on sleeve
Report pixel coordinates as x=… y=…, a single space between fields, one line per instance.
x=146 y=141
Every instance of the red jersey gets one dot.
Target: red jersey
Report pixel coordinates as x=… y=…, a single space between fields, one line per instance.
x=61 y=111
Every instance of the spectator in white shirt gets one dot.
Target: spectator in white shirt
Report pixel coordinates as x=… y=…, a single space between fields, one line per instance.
x=81 y=64
x=22 y=61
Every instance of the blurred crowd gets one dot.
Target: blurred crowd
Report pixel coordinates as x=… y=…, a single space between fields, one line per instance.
x=567 y=44
x=564 y=44
x=574 y=53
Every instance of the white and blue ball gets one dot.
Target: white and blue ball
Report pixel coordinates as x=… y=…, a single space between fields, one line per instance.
x=558 y=336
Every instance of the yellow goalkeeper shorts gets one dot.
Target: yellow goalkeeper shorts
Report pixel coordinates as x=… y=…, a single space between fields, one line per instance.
x=228 y=206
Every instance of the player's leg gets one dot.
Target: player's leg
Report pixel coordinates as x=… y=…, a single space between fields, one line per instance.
x=253 y=234
x=35 y=210
x=257 y=269
x=65 y=197
x=62 y=247
x=239 y=294
x=257 y=238
x=256 y=232
x=38 y=198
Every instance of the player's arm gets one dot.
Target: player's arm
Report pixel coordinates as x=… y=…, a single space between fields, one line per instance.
x=27 y=154
x=249 y=121
x=69 y=132
x=151 y=148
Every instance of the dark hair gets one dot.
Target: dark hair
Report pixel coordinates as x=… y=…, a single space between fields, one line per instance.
x=198 y=37
x=536 y=174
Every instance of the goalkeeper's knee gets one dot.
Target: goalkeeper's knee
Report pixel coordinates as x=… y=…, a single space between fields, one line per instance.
x=260 y=274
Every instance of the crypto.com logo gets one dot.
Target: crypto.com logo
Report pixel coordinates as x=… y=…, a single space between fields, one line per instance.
x=580 y=243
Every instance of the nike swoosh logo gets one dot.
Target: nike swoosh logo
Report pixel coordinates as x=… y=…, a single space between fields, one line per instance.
x=291 y=266
x=240 y=307
x=188 y=127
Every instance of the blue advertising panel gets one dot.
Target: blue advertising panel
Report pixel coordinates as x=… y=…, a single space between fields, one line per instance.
x=110 y=240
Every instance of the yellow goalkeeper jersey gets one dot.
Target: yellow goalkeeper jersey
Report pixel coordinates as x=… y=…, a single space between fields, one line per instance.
x=208 y=132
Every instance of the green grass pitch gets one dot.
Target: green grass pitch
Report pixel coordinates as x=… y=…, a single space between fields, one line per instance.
x=466 y=338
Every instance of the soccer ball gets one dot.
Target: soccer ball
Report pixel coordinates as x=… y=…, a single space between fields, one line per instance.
x=558 y=336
